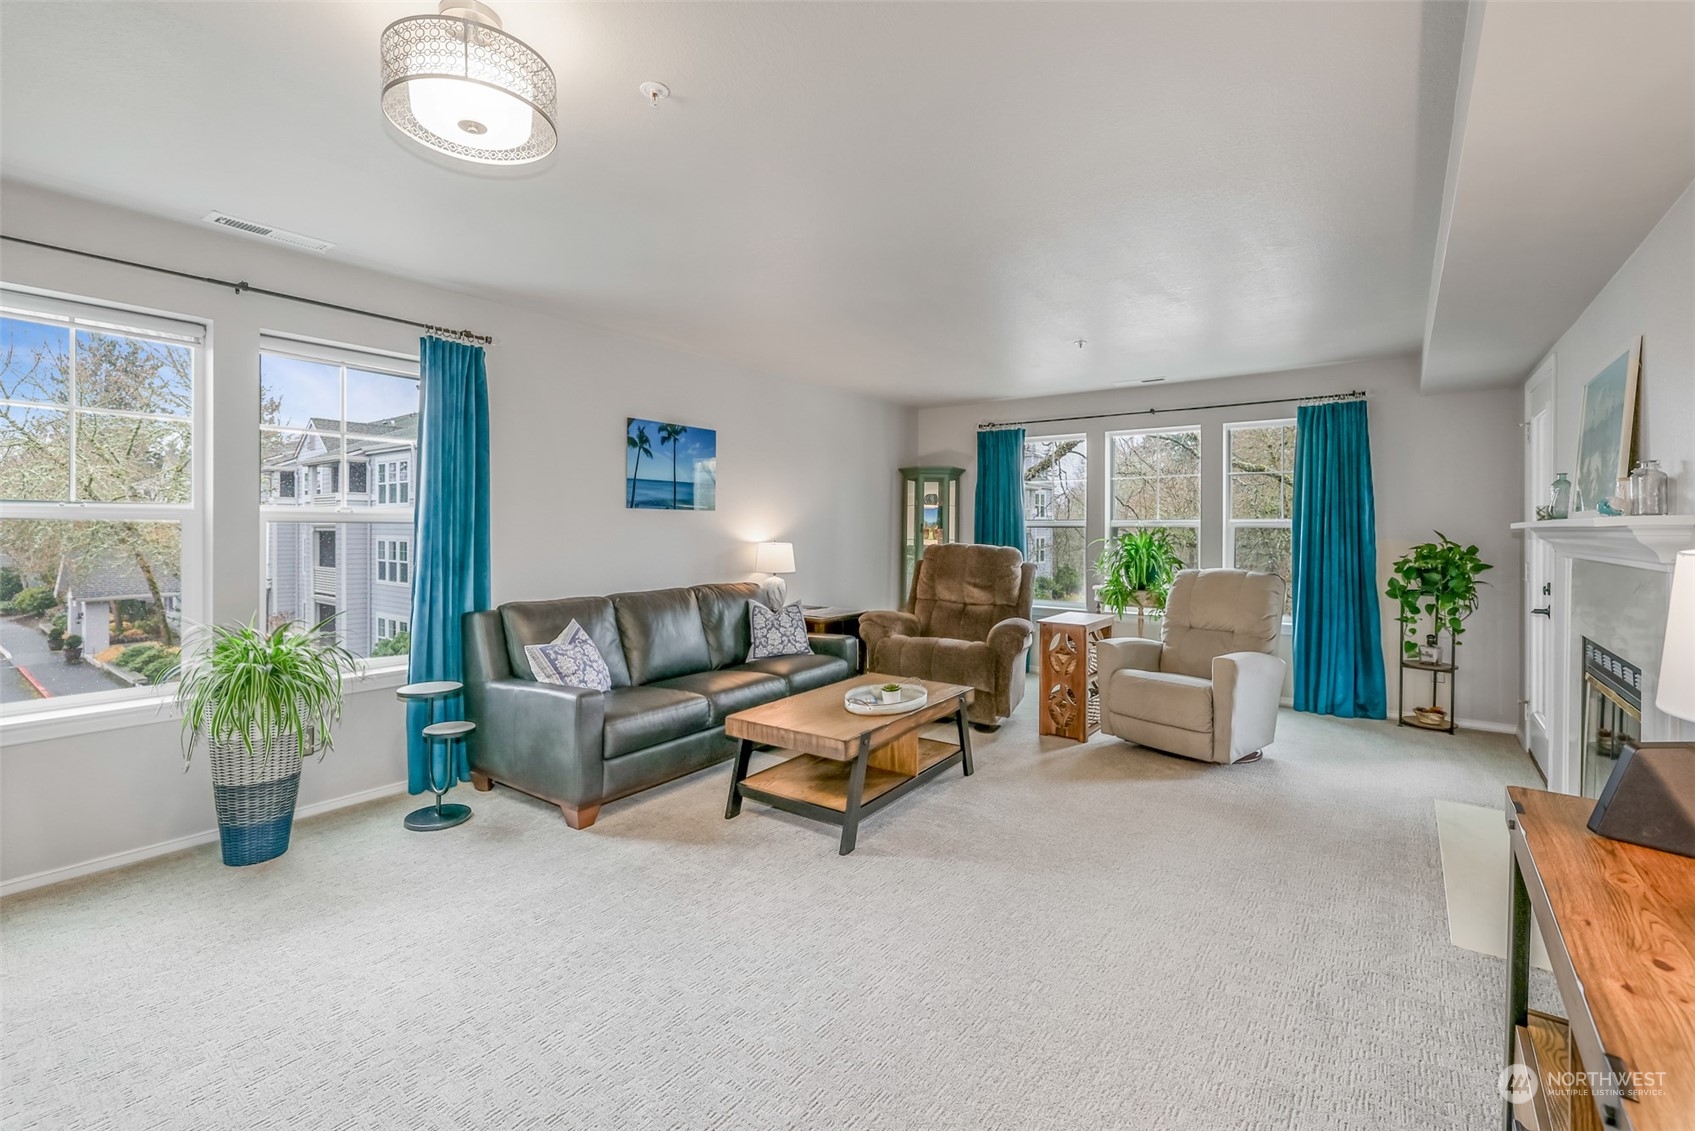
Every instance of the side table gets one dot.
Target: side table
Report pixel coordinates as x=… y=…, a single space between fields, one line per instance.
x=842 y=621
x=433 y=818
x=1070 y=679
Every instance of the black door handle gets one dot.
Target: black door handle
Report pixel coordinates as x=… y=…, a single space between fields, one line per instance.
x=1545 y=611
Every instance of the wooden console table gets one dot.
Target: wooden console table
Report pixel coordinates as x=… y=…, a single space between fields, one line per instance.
x=1069 y=674
x=1619 y=923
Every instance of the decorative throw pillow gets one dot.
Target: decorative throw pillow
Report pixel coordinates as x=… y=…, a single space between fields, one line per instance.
x=571 y=660
x=777 y=632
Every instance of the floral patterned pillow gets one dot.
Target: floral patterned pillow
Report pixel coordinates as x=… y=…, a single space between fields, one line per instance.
x=571 y=660
x=777 y=632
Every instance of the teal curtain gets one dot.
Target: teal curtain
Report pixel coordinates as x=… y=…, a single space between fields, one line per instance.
x=999 y=519
x=450 y=543
x=1338 y=637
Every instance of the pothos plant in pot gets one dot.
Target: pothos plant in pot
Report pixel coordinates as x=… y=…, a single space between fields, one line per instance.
x=1436 y=580
x=1136 y=569
x=262 y=702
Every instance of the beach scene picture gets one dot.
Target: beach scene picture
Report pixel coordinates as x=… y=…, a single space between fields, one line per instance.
x=1609 y=410
x=669 y=467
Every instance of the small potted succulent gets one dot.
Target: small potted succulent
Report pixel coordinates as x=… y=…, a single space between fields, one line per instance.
x=890 y=692
x=263 y=701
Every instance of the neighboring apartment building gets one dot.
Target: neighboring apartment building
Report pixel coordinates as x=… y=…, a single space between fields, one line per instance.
x=358 y=573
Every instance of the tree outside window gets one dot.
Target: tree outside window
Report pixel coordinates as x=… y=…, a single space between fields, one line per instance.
x=1055 y=483
x=1259 y=523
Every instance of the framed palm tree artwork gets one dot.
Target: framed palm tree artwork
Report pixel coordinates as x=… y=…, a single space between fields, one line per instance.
x=669 y=467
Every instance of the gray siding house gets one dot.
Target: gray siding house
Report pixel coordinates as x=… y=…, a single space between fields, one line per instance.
x=359 y=573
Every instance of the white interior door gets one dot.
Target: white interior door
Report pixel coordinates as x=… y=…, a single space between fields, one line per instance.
x=1538 y=568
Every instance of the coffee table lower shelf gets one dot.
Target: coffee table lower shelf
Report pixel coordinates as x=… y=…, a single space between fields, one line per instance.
x=821 y=784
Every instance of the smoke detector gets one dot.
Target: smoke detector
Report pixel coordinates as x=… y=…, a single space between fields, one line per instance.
x=266 y=232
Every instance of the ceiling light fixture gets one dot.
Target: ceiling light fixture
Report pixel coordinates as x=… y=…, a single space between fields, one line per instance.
x=456 y=83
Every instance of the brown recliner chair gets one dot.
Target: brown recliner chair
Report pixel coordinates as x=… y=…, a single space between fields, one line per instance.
x=967 y=621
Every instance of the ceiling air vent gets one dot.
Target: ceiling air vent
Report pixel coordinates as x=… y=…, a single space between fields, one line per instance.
x=266 y=232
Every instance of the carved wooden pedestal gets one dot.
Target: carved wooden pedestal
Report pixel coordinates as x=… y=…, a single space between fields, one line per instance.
x=1070 y=683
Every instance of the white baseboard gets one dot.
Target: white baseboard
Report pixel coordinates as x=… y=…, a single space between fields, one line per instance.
x=1465 y=724
x=178 y=844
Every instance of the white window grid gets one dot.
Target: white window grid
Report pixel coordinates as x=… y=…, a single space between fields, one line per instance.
x=1040 y=525
x=1117 y=526
x=193 y=575
x=401 y=509
x=1232 y=524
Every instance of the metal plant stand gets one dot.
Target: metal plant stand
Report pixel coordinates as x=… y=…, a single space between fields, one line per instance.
x=432 y=818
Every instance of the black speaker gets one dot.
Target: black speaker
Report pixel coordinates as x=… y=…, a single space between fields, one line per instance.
x=1650 y=799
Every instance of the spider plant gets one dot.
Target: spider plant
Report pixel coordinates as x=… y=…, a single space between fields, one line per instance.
x=1136 y=568
x=263 y=687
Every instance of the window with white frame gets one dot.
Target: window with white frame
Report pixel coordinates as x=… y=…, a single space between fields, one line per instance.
x=101 y=535
x=392 y=564
x=1260 y=498
x=347 y=421
x=1156 y=483
x=394 y=485
x=1056 y=473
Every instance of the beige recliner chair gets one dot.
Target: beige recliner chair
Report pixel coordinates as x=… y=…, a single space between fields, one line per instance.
x=966 y=621
x=1210 y=689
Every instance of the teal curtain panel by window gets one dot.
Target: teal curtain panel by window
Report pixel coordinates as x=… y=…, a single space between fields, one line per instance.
x=450 y=540
x=999 y=517
x=1338 y=636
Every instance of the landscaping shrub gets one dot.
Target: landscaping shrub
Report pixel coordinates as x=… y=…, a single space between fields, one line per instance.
x=11 y=583
x=35 y=600
x=161 y=669
x=55 y=638
x=138 y=656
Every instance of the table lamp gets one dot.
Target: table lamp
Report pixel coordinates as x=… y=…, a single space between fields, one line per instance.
x=1650 y=797
x=775 y=558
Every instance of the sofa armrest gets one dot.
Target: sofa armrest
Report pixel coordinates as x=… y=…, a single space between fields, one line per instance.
x=539 y=737
x=1010 y=637
x=1246 y=688
x=834 y=644
x=874 y=628
x=1117 y=653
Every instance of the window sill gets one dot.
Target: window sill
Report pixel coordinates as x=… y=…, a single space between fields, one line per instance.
x=45 y=725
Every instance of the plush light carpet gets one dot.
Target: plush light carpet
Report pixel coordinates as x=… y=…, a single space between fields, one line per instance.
x=1080 y=936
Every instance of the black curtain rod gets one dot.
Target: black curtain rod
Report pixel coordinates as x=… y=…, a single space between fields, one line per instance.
x=242 y=286
x=1349 y=396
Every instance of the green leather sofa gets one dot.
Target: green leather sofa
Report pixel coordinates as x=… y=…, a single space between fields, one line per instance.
x=678 y=659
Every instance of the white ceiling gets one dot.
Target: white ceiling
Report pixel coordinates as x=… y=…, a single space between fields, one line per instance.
x=1576 y=133
x=923 y=201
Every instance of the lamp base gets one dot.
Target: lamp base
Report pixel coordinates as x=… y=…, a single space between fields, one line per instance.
x=776 y=591
x=433 y=818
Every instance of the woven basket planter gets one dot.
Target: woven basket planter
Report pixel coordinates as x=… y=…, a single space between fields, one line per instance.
x=254 y=792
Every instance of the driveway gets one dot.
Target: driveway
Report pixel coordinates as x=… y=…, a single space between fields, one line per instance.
x=27 y=648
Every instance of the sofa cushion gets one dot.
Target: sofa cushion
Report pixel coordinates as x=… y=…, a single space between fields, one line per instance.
x=662 y=634
x=639 y=717
x=1165 y=698
x=729 y=691
x=723 y=617
x=541 y=622
x=801 y=673
x=570 y=661
x=777 y=632
x=1211 y=612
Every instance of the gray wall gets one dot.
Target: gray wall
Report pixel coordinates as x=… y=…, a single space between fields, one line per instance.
x=1448 y=462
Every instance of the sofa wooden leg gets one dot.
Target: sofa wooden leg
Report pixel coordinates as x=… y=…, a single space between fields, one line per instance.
x=580 y=816
x=482 y=783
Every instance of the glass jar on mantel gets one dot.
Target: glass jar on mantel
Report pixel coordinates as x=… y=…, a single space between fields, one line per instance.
x=1650 y=489
x=929 y=515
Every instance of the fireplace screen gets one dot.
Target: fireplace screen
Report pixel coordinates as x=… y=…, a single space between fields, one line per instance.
x=1612 y=712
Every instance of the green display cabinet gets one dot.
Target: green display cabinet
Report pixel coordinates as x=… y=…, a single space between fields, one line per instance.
x=929 y=514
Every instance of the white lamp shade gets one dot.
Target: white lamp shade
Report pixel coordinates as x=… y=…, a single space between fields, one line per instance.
x=774 y=557
x=1677 y=663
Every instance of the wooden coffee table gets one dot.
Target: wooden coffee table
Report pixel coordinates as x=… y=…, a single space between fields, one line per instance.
x=846 y=766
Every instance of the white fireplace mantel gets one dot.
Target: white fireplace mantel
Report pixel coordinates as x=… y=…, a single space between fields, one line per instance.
x=1650 y=541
